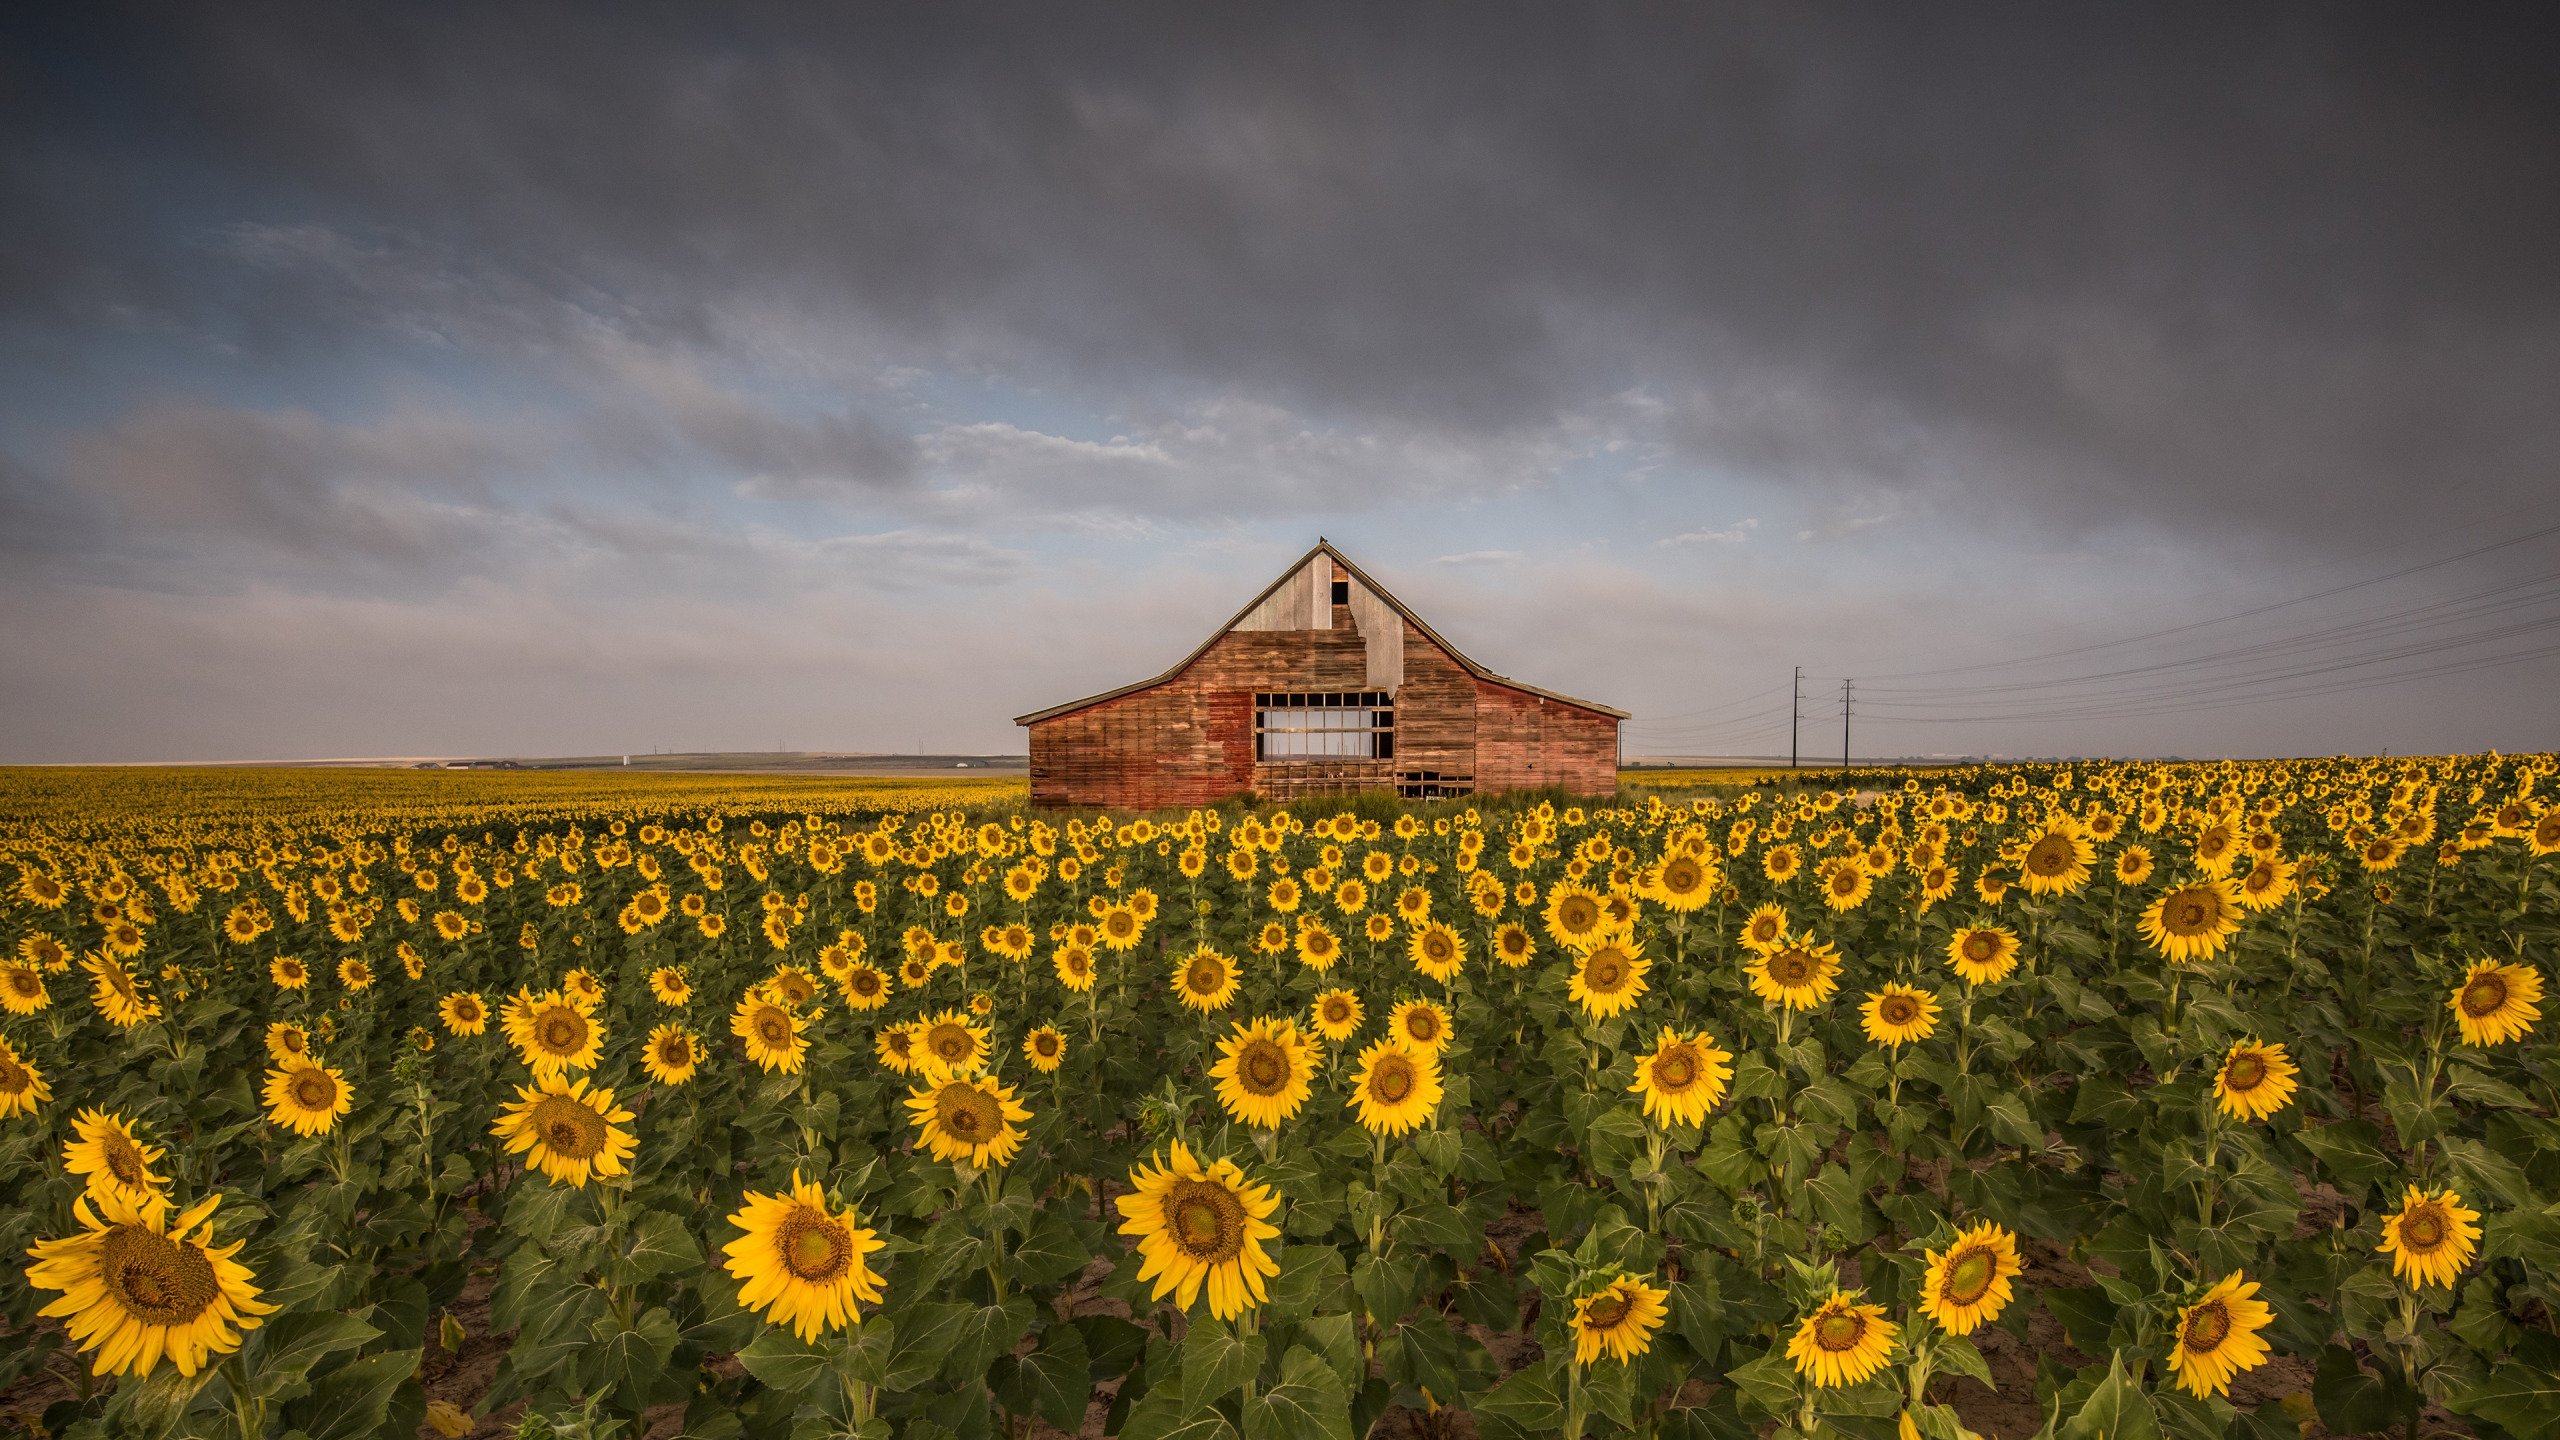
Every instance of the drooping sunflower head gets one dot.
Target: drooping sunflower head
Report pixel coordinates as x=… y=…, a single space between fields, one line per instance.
x=306 y=1098
x=1397 y=1088
x=1337 y=1015
x=1205 y=980
x=22 y=1086
x=968 y=1119
x=2256 y=1080
x=1618 y=1320
x=2217 y=1336
x=2431 y=1237
x=1898 y=1015
x=1265 y=1071
x=1608 y=979
x=1982 y=954
x=1799 y=975
x=1683 y=1079
x=2497 y=1002
x=137 y=1288
x=672 y=1055
x=1842 y=1342
x=566 y=1130
x=1967 y=1285
x=1201 y=1227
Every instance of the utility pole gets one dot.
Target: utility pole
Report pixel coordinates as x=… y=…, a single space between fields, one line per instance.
x=1844 y=722
x=1795 y=718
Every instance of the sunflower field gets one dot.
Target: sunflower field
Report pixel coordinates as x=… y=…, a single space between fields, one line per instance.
x=2085 y=1101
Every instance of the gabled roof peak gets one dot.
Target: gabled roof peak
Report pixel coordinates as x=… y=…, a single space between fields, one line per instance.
x=1323 y=547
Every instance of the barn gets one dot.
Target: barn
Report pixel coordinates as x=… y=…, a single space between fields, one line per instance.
x=1323 y=684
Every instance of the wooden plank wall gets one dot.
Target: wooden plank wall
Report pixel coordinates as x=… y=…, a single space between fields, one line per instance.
x=1189 y=741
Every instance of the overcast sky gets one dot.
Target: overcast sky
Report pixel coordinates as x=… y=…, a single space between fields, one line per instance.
x=536 y=379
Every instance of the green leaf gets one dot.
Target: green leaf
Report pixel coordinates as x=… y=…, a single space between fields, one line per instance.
x=1159 y=1415
x=779 y=1359
x=1216 y=1362
x=290 y=1344
x=1050 y=1382
x=2351 y=1151
x=660 y=1243
x=1768 y=1383
x=2520 y=1395
x=1337 y=1338
x=2116 y=1410
x=1433 y=1224
x=2484 y=1172
x=984 y=1332
x=1311 y=1278
x=1052 y=1251
x=2351 y=1401
x=1309 y=1403
x=1530 y=1399
x=632 y=1360
x=352 y=1400
x=1956 y=1355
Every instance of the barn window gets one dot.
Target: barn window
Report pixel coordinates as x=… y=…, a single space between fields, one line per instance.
x=1324 y=725
x=1341 y=592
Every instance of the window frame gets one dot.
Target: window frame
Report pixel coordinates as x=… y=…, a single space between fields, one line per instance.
x=1298 y=743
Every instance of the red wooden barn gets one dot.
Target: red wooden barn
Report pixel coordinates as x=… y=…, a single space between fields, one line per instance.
x=1324 y=684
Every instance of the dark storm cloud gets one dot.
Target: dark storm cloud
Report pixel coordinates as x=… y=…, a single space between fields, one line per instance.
x=2194 y=262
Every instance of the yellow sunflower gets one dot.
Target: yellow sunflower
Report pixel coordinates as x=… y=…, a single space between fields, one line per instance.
x=1074 y=964
x=288 y=973
x=1846 y=885
x=1684 y=883
x=896 y=1046
x=1205 y=980
x=306 y=1098
x=2057 y=861
x=554 y=1034
x=1899 y=1014
x=1514 y=946
x=2430 y=1237
x=1781 y=863
x=22 y=1086
x=1201 y=1227
x=116 y=994
x=950 y=1045
x=672 y=1055
x=1617 y=1319
x=463 y=1013
x=863 y=985
x=2217 y=1337
x=2495 y=1002
x=1799 y=976
x=1574 y=915
x=2255 y=1081
x=354 y=973
x=968 y=1118
x=22 y=989
x=1765 y=932
x=669 y=987
x=1421 y=1026
x=1842 y=1342
x=2194 y=921
x=1967 y=1284
x=1683 y=1079
x=2133 y=865
x=118 y=1166
x=1983 y=954
x=567 y=1131
x=1437 y=951
x=287 y=1041
x=1265 y=1071
x=771 y=1032
x=1397 y=1088
x=1337 y=1015
x=135 y=1288
x=1608 y=978
x=802 y=1263
x=1045 y=1048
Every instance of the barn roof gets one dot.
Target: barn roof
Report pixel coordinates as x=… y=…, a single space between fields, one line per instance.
x=1322 y=547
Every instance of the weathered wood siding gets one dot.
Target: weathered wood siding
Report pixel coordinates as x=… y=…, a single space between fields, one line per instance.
x=1189 y=740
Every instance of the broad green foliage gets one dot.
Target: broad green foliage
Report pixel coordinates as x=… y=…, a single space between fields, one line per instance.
x=809 y=1109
